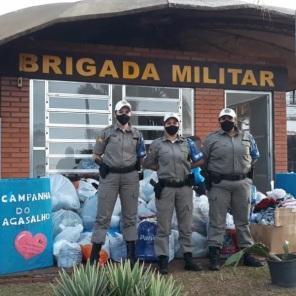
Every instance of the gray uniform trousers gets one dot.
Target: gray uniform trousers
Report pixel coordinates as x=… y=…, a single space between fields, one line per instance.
x=223 y=196
x=171 y=198
x=127 y=186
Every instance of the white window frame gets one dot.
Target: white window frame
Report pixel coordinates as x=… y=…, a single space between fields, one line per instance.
x=48 y=125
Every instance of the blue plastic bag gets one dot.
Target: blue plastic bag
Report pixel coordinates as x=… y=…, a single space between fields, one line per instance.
x=198 y=178
x=145 y=243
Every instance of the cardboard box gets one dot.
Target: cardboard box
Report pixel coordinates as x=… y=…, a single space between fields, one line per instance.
x=285 y=216
x=274 y=236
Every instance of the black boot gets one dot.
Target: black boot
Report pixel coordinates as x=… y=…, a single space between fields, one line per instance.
x=251 y=261
x=131 y=252
x=163 y=264
x=189 y=264
x=214 y=255
x=95 y=253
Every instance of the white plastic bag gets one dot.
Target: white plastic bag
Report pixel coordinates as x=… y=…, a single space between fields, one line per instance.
x=63 y=193
x=88 y=212
x=146 y=189
x=143 y=211
x=85 y=190
x=199 y=246
x=117 y=208
x=64 y=218
x=67 y=254
x=95 y=183
x=85 y=238
x=174 y=221
x=151 y=205
x=117 y=247
x=106 y=245
x=259 y=197
x=70 y=234
x=171 y=247
x=175 y=234
x=200 y=214
x=277 y=193
x=229 y=224
x=115 y=221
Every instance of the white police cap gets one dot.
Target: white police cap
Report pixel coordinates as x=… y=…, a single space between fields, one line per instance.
x=121 y=104
x=168 y=115
x=227 y=112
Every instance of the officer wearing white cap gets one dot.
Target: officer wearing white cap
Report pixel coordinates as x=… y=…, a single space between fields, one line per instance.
x=229 y=155
x=172 y=157
x=119 y=150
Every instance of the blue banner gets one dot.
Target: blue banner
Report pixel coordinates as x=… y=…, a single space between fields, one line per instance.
x=25 y=225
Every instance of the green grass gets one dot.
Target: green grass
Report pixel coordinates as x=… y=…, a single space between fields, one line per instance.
x=26 y=289
x=242 y=281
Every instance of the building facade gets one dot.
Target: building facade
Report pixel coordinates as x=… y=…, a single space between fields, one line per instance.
x=59 y=86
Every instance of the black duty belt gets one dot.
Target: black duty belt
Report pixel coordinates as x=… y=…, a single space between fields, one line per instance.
x=235 y=177
x=123 y=170
x=174 y=183
x=217 y=178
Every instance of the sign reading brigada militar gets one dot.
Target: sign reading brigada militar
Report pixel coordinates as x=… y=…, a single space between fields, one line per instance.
x=149 y=71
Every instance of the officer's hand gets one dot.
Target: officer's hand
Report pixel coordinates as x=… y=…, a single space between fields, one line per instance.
x=97 y=159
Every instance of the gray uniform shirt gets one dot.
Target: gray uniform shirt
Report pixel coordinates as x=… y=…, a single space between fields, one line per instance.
x=230 y=155
x=172 y=158
x=118 y=147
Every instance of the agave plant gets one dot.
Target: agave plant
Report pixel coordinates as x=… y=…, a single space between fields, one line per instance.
x=114 y=280
x=85 y=280
x=164 y=287
x=127 y=281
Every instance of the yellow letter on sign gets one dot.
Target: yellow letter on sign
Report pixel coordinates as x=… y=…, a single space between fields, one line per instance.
x=53 y=63
x=130 y=70
x=150 y=72
x=108 y=68
x=86 y=67
x=28 y=62
x=266 y=78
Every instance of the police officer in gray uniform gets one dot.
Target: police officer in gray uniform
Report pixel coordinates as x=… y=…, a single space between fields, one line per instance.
x=119 y=148
x=172 y=157
x=229 y=156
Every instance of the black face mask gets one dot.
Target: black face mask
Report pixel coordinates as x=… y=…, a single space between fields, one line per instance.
x=171 y=129
x=123 y=119
x=227 y=125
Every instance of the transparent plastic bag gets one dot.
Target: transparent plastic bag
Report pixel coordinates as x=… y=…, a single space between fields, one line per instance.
x=146 y=189
x=200 y=214
x=143 y=211
x=85 y=190
x=88 y=212
x=64 y=218
x=199 y=246
x=70 y=234
x=63 y=193
x=69 y=255
x=117 y=247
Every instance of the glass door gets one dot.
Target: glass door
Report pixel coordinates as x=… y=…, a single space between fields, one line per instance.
x=254 y=114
